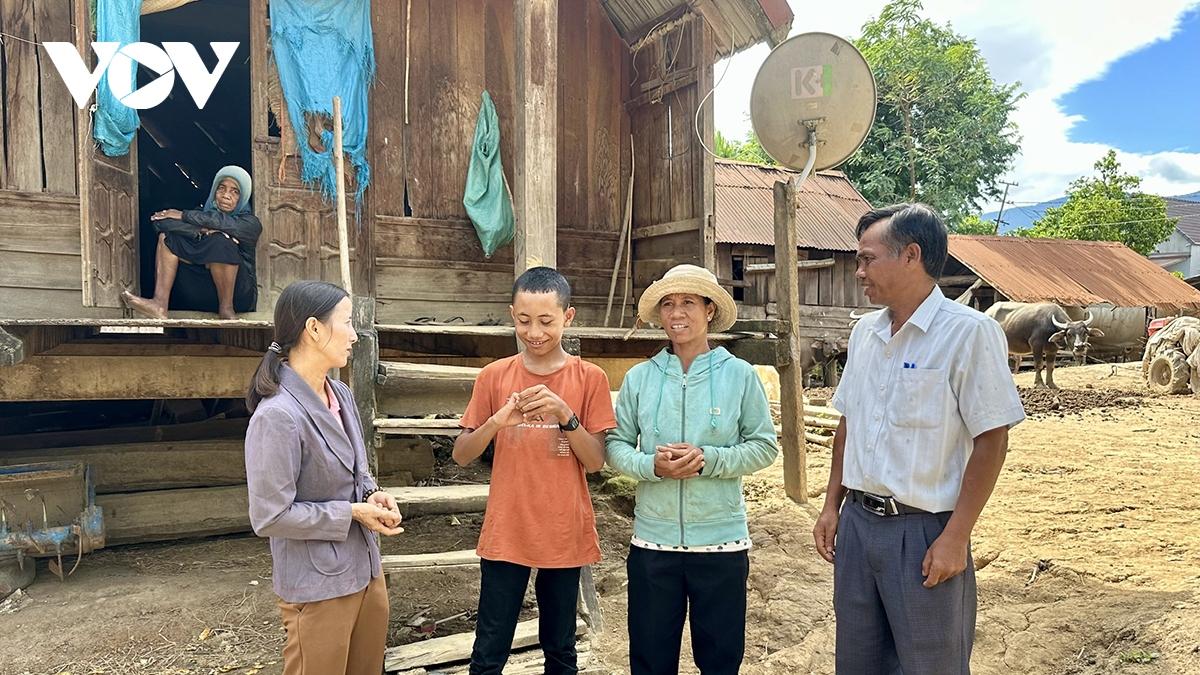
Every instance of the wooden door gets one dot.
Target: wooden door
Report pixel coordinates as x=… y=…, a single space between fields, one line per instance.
x=108 y=204
x=300 y=238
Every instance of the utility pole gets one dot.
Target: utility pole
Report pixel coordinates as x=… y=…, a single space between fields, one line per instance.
x=1003 y=199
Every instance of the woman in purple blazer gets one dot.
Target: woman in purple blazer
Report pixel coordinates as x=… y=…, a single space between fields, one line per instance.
x=306 y=466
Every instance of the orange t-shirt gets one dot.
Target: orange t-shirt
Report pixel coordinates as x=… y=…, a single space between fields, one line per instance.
x=539 y=512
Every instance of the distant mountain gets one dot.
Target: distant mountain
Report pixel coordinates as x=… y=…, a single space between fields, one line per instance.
x=1025 y=214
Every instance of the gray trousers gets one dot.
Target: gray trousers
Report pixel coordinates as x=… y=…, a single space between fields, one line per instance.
x=887 y=621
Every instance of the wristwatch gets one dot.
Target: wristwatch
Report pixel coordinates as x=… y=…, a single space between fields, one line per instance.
x=571 y=425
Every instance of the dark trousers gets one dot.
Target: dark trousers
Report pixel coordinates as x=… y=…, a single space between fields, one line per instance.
x=501 y=591
x=887 y=621
x=664 y=586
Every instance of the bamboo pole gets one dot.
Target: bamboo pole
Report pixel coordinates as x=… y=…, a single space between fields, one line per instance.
x=340 y=163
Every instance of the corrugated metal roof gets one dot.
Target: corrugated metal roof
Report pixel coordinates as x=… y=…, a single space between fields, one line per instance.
x=1072 y=272
x=744 y=23
x=745 y=210
x=1188 y=213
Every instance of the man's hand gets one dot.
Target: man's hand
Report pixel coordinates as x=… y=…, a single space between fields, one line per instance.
x=510 y=414
x=825 y=532
x=678 y=461
x=538 y=401
x=945 y=559
x=376 y=519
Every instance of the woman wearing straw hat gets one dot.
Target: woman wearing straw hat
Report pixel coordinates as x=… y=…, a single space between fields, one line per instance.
x=690 y=423
x=205 y=257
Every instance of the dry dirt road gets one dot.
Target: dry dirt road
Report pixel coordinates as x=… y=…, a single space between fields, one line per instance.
x=1100 y=495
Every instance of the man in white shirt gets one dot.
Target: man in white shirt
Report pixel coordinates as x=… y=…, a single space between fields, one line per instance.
x=927 y=401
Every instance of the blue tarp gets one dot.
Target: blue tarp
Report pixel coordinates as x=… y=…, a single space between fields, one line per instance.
x=486 y=197
x=323 y=48
x=115 y=123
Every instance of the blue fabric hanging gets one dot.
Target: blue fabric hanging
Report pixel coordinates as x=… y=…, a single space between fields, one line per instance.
x=114 y=123
x=486 y=196
x=322 y=49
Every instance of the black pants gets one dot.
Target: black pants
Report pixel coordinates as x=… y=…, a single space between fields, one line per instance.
x=501 y=590
x=666 y=585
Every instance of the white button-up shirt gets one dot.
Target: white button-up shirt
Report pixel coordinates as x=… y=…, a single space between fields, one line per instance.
x=915 y=401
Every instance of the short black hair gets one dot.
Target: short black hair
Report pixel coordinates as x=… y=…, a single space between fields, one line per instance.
x=911 y=224
x=544 y=280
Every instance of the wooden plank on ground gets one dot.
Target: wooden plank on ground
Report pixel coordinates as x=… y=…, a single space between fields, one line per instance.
x=76 y=378
x=150 y=466
x=21 y=120
x=162 y=515
x=428 y=561
x=455 y=648
x=440 y=500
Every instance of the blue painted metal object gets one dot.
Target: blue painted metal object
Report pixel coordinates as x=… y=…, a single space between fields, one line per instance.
x=49 y=509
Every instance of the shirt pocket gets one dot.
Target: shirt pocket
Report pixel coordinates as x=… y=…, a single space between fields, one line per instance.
x=919 y=399
x=329 y=558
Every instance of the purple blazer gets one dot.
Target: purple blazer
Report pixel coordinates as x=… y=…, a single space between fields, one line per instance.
x=304 y=472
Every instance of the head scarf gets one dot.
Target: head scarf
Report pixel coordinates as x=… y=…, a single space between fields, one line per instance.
x=244 y=185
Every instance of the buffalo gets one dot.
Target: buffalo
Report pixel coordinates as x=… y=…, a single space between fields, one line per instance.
x=1038 y=329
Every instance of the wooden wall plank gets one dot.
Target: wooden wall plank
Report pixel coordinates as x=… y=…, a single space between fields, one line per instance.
x=39 y=223
x=76 y=378
x=53 y=271
x=605 y=54
x=535 y=183
x=418 y=139
x=52 y=23
x=387 y=109
x=499 y=72
x=21 y=81
x=574 y=167
x=704 y=166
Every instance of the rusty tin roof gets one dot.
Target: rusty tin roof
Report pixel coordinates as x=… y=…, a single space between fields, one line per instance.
x=745 y=209
x=1071 y=272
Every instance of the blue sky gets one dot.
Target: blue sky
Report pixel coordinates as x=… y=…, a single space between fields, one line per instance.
x=1147 y=101
x=1079 y=65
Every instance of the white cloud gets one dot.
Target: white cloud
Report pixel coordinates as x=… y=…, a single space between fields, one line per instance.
x=1051 y=47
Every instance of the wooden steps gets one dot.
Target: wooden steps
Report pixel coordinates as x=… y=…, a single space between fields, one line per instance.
x=440 y=500
x=419 y=389
x=417 y=426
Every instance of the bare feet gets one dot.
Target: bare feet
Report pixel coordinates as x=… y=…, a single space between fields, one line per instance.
x=144 y=306
x=224 y=313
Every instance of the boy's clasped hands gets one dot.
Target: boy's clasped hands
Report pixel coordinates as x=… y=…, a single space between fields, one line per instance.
x=678 y=461
x=533 y=404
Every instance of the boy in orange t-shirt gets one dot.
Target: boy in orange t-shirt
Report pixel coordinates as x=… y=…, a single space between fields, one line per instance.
x=548 y=412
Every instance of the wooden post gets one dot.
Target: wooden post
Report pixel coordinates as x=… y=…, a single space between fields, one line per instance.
x=791 y=377
x=339 y=160
x=705 y=178
x=535 y=165
x=363 y=366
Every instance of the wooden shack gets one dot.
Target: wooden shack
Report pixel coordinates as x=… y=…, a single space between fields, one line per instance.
x=597 y=101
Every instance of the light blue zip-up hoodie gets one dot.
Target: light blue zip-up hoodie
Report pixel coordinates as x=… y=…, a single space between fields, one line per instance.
x=719 y=406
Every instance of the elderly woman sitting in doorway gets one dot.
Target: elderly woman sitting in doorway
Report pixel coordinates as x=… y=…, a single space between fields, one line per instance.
x=205 y=258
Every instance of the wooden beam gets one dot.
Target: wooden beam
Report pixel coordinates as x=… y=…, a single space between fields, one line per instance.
x=673 y=227
x=535 y=165
x=762 y=268
x=959 y=280
x=363 y=365
x=791 y=376
x=412 y=426
x=655 y=90
x=428 y=561
x=150 y=466
x=704 y=182
x=440 y=500
x=81 y=378
x=162 y=515
x=420 y=389
x=455 y=647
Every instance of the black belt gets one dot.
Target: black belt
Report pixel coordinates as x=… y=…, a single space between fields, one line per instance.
x=882 y=506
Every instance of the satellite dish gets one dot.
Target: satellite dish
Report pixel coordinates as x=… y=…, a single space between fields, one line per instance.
x=814 y=83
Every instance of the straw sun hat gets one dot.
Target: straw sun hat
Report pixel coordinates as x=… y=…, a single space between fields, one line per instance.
x=689 y=279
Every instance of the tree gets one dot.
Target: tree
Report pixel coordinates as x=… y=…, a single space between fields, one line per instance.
x=1107 y=207
x=942 y=133
x=749 y=150
x=972 y=224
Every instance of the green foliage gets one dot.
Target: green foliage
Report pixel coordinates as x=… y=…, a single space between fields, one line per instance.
x=1107 y=207
x=1177 y=273
x=1138 y=656
x=942 y=133
x=972 y=224
x=749 y=150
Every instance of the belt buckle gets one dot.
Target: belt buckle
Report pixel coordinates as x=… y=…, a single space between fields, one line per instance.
x=880 y=506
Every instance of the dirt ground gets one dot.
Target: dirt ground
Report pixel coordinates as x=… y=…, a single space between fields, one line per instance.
x=1089 y=553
